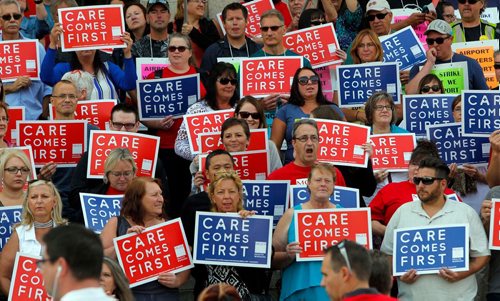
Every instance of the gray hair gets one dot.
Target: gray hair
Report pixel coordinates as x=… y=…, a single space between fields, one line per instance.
x=300 y=122
x=82 y=81
x=272 y=13
x=10 y=2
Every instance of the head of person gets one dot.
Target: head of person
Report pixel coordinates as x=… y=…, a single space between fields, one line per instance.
x=83 y=81
x=67 y=262
x=124 y=118
x=235 y=135
x=251 y=110
x=306 y=86
x=381 y=275
x=430 y=84
x=64 y=98
x=380 y=109
x=456 y=108
x=496 y=57
x=195 y=8
x=11 y=17
x=15 y=169
x=325 y=112
x=218 y=292
x=305 y=141
x=221 y=84
x=217 y=161
x=57 y=4
x=135 y=15
x=4 y=119
x=180 y=52
x=431 y=179
x=366 y=47
x=234 y=20
x=424 y=149
x=119 y=2
x=42 y=203
x=346 y=267
x=272 y=26
x=311 y=17
x=226 y=192
x=296 y=7
x=143 y=198
x=440 y=37
x=379 y=16
x=119 y=169
x=470 y=10
x=113 y=280
x=446 y=11
x=158 y=15
x=321 y=181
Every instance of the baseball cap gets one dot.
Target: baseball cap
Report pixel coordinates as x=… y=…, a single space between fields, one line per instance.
x=440 y=26
x=151 y=3
x=377 y=5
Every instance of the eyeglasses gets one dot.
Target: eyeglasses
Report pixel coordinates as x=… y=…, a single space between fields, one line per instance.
x=496 y=66
x=125 y=174
x=379 y=16
x=425 y=180
x=427 y=88
x=14 y=170
x=40 y=262
x=119 y=125
x=381 y=108
x=224 y=81
x=245 y=115
x=438 y=41
x=449 y=16
x=304 y=138
x=273 y=28
x=303 y=80
x=66 y=96
x=470 y=1
x=4 y=119
x=343 y=252
x=199 y=1
x=9 y=17
x=178 y=48
x=367 y=45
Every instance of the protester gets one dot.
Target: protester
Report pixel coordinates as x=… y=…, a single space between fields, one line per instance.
x=135 y=20
x=114 y=282
x=219 y=291
x=155 y=43
x=381 y=114
x=446 y=11
x=4 y=123
x=15 y=168
x=296 y=8
x=430 y=84
x=493 y=173
x=251 y=110
x=381 y=275
x=471 y=27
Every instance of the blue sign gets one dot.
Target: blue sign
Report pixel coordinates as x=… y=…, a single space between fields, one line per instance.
x=228 y=239
x=344 y=197
x=419 y=111
x=9 y=216
x=159 y=98
x=98 y=209
x=480 y=113
x=454 y=148
x=358 y=82
x=403 y=47
x=429 y=249
x=266 y=197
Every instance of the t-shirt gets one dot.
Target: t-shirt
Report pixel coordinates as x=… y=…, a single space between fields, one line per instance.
x=292 y=172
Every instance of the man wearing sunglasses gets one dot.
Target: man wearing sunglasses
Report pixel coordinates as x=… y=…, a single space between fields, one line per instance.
x=439 y=40
x=434 y=209
x=471 y=27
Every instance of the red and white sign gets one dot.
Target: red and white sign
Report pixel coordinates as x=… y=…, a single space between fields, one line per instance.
x=318 y=44
x=252 y=165
x=27 y=281
x=204 y=123
x=92 y=27
x=318 y=229
x=58 y=141
x=19 y=58
x=96 y=112
x=159 y=249
x=268 y=75
x=144 y=149
x=340 y=143
x=211 y=141
x=255 y=10
x=392 y=152
x=494 y=241
x=15 y=114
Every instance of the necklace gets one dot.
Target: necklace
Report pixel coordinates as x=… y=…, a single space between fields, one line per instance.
x=45 y=225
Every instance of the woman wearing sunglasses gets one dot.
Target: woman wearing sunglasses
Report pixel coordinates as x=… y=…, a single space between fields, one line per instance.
x=430 y=84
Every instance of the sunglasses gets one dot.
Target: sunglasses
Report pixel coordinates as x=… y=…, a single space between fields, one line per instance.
x=303 y=80
x=438 y=41
x=427 y=88
x=318 y=22
x=470 y=1
x=11 y=16
x=245 y=115
x=344 y=254
x=179 y=48
x=497 y=66
x=224 y=81
x=425 y=180
x=379 y=16
x=273 y=28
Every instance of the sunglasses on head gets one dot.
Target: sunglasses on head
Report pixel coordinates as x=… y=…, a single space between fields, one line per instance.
x=425 y=180
x=179 y=48
x=8 y=17
x=245 y=115
x=273 y=28
x=379 y=16
x=225 y=81
x=427 y=88
x=438 y=41
x=303 y=80
x=470 y=1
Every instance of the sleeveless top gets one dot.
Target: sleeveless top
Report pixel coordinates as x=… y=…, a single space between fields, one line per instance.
x=27 y=240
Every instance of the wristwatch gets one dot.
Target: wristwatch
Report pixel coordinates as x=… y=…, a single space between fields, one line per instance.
x=38 y=1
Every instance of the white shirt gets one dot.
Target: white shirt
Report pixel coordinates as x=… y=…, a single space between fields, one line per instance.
x=86 y=294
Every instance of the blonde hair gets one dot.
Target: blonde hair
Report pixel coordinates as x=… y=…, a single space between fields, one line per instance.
x=8 y=154
x=117 y=154
x=27 y=216
x=221 y=176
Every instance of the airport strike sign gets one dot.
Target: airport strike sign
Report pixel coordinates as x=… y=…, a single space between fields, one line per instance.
x=403 y=47
x=19 y=58
x=319 y=229
x=455 y=76
x=96 y=112
x=251 y=165
x=27 y=281
x=482 y=52
x=144 y=149
x=158 y=249
x=98 y=209
x=92 y=27
x=15 y=114
x=392 y=152
x=211 y=141
x=344 y=197
x=167 y=96
x=255 y=10
x=358 y=82
x=230 y=240
x=206 y=122
x=453 y=147
x=147 y=65
x=480 y=113
x=429 y=249
x=419 y=111
x=266 y=197
x=318 y=44
x=268 y=75
x=494 y=241
x=9 y=216
x=61 y=142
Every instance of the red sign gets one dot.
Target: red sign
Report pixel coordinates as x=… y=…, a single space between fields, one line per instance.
x=255 y=10
x=19 y=58
x=319 y=229
x=318 y=44
x=392 y=152
x=58 y=141
x=204 y=123
x=144 y=148
x=268 y=75
x=159 y=249
x=211 y=141
x=252 y=165
x=340 y=143
x=494 y=243
x=92 y=27
x=96 y=112
x=15 y=114
x=27 y=281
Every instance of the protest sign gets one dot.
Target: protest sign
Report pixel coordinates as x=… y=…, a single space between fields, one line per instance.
x=420 y=111
x=158 y=98
x=211 y=141
x=494 y=237
x=480 y=113
x=158 y=249
x=99 y=208
x=9 y=216
x=206 y=122
x=401 y=14
x=144 y=149
x=392 y=152
x=454 y=76
x=482 y=52
x=228 y=239
x=318 y=229
x=250 y=165
x=344 y=197
x=358 y=82
x=96 y=112
x=27 y=281
x=317 y=43
x=340 y=143
x=266 y=197
x=327 y=77
x=453 y=147
x=91 y=27
x=255 y=9
x=264 y=76
x=427 y=249
x=144 y=66
x=60 y=141
x=403 y=47
x=15 y=114
x=19 y=58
